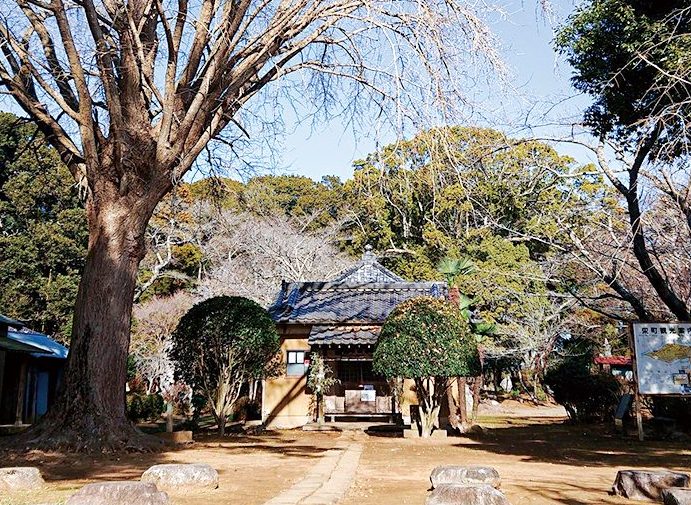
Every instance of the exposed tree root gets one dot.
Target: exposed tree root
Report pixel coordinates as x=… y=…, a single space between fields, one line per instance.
x=85 y=436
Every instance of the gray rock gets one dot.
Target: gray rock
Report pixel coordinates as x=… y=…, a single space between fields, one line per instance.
x=179 y=476
x=119 y=493
x=467 y=475
x=456 y=494
x=676 y=496
x=20 y=478
x=647 y=485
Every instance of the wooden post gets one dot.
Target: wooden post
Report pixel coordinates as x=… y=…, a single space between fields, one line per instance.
x=637 y=396
x=21 y=386
x=169 y=416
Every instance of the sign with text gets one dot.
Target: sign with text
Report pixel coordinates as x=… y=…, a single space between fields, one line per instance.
x=663 y=358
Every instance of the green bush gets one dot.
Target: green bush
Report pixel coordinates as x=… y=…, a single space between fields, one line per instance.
x=219 y=346
x=143 y=407
x=585 y=395
x=427 y=340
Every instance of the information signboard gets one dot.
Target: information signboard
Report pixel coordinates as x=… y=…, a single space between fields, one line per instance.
x=663 y=358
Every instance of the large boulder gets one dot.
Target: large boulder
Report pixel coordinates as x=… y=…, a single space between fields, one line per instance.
x=455 y=474
x=173 y=477
x=676 y=496
x=647 y=485
x=456 y=494
x=119 y=493
x=20 y=478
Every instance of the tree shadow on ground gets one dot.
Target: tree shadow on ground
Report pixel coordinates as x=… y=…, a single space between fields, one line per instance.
x=558 y=442
x=60 y=466
x=557 y=494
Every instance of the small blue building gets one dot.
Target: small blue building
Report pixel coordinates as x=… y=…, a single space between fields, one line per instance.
x=31 y=368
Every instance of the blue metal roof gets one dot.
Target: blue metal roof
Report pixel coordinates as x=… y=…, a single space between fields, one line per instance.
x=10 y=322
x=45 y=346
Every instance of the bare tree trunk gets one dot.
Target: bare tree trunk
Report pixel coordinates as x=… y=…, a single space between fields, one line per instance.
x=169 y=417
x=221 y=421
x=454 y=420
x=462 y=405
x=477 y=388
x=428 y=420
x=320 y=409
x=89 y=413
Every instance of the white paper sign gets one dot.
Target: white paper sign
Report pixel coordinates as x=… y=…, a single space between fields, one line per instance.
x=663 y=358
x=368 y=395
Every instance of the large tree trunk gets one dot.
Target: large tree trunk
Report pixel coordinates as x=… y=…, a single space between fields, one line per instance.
x=89 y=413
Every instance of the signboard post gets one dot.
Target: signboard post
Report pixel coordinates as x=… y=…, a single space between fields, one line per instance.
x=661 y=362
x=636 y=393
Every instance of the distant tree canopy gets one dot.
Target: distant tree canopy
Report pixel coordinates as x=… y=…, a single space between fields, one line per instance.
x=632 y=57
x=444 y=188
x=43 y=234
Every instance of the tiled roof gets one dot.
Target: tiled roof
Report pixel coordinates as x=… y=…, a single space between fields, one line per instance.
x=368 y=269
x=341 y=335
x=330 y=303
x=364 y=294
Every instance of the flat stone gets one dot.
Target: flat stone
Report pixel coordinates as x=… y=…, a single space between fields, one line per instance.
x=476 y=429
x=465 y=475
x=182 y=476
x=20 y=478
x=676 y=496
x=119 y=493
x=647 y=485
x=457 y=494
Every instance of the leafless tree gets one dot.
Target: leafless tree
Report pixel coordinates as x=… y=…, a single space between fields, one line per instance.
x=131 y=92
x=155 y=322
x=250 y=256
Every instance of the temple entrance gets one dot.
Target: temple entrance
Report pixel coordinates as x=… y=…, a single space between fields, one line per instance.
x=360 y=393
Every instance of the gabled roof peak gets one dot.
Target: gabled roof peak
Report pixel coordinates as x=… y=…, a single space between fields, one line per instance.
x=367 y=270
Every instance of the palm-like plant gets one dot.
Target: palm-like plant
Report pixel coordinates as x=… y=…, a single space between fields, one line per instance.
x=453 y=268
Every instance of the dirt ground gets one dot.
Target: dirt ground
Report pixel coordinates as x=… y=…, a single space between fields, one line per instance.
x=541 y=461
x=251 y=469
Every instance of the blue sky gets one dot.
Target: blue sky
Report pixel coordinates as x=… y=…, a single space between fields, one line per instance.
x=539 y=77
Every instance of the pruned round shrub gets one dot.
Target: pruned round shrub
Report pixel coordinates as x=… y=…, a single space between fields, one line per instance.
x=143 y=407
x=428 y=340
x=220 y=345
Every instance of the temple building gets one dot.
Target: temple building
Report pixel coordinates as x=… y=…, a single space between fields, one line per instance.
x=340 y=318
